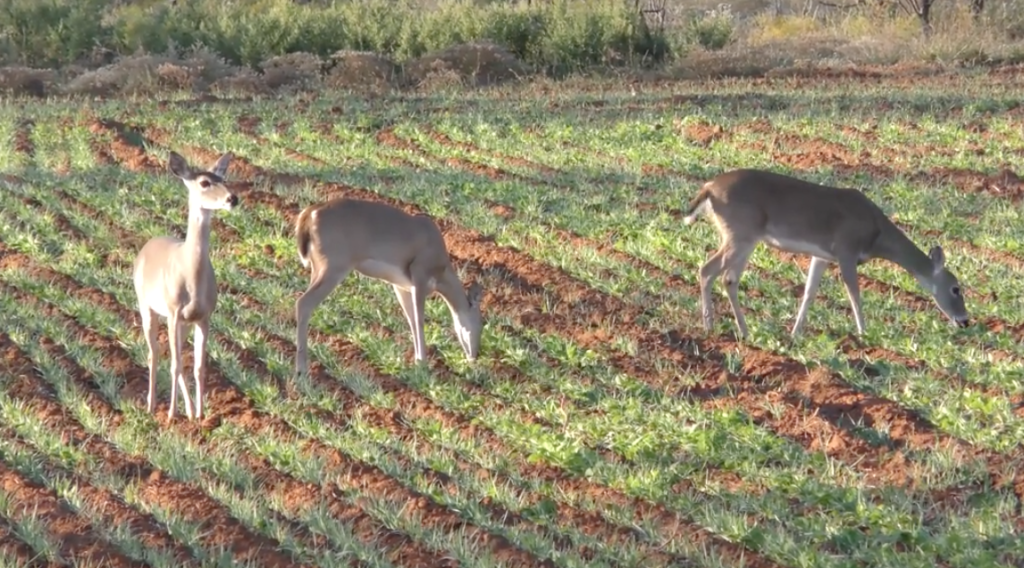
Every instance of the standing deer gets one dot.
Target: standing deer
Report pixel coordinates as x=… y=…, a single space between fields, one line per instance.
x=174 y=279
x=830 y=224
x=385 y=243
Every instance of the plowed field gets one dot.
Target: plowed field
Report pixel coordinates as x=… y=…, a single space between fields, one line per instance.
x=601 y=426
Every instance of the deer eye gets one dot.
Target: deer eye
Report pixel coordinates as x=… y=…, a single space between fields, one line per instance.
x=204 y=183
x=956 y=290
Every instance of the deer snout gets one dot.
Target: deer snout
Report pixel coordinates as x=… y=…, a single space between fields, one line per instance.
x=963 y=322
x=233 y=200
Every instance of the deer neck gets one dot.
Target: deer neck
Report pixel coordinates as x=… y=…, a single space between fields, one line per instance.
x=450 y=290
x=196 y=249
x=895 y=246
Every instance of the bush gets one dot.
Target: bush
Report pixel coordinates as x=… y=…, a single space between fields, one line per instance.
x=559 y=36
x=713 y=29
x=51 y=32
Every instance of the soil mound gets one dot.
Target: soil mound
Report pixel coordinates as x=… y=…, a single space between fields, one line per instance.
x=151 y=74
x=477 y=63
x=20 y=80
x=361 y=69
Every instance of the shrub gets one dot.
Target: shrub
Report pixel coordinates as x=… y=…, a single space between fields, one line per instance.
x=713 y=29
x=558 y=36
x=51 y=32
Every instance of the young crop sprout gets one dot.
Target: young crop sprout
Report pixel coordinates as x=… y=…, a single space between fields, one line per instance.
x=174 y=279
x=830 y=224
x=382 y=242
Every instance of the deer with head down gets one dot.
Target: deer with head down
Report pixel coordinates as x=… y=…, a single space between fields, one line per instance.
x=388 y=244
x=832 y=225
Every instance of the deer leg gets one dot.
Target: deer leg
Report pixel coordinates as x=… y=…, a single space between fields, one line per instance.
x=151 y=330
x=708 y=273
x=848 y=271
x=176 y=337
x=405 y=300
x=321 y=283
x=199 y=335
x=419 y=298
x=734 y=261
x=814 y=273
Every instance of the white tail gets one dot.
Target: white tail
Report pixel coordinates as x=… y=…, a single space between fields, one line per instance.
x=698 y=205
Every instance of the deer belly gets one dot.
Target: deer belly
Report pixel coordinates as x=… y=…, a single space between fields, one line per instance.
x=384 y=271
x=798 y=246
x=157 y=304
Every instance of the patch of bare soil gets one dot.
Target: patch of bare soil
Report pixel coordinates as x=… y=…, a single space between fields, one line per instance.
x=702 y=132
x=75 y=536
x=23 y=138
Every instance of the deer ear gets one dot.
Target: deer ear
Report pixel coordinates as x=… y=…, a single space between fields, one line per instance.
x=475 y=294
x=179 y=166
x=938 y=257
x=221 y=166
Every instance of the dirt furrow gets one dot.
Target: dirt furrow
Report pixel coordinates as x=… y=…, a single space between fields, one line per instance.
x=77 y=539
x=143 y=525
x=133 y=157
x=109 y=507
x=23 y=138
x=442 y=138
x=14 y=547
x=415 y=407
x=135 y=468
x=802 y=152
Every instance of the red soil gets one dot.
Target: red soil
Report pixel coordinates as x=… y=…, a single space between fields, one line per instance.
x=23 y=138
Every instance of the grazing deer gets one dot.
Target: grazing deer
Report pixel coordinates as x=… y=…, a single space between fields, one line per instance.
x=174 y=279
x=382 y=242
x=830 y=224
